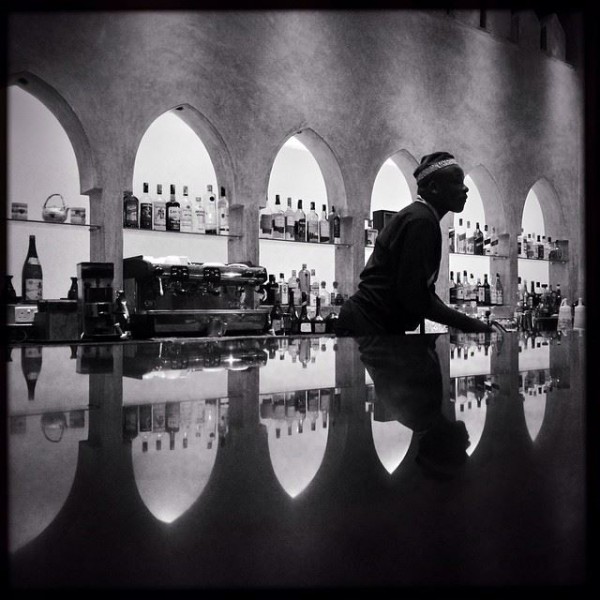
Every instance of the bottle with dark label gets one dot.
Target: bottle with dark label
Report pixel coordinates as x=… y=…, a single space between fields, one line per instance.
x=271 y=288
x=31 y=280
x=160 y=211
x=172 y=421
x=173 y=211
x=290 y=219
x=487 y=295
x=278 y=221
x=31 y=365
x=305 y=323
x=145 y=208
x=300 y=224
x=130 y=422
x=478 y=241
x=312 y=224
x=223 y=208
x=487 y=241
x=323 y=226
x=130 y=210
x=334 y=226
x=318 y=323
x=277 y=319
x=540 y=248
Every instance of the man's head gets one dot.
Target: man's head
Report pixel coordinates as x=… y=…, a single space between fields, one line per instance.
x=440 y=180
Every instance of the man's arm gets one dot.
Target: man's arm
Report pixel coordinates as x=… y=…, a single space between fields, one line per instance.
x=440 y=313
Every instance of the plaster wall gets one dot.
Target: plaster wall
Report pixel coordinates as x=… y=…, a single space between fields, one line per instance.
x=369 y=84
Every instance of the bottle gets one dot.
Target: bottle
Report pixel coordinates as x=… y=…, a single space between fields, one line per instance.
x=487 y=241
x=145 y=208
x=330 y=321
x=173 y=211
x=300 y=224
x=318 y=323
x=520 y=243
x=323 y=226
x=277 y=318
x=579 y=320
x=145 y=417
x=530 y=246
x=460 y=291
x=160 y=211
x=282 y=290
x=210 y=216
x=540 y=247
x=294 y=317
x=31 y=365
x=548 y=249
x=499 y=291
x=223 y=208
x=186 y=212
x=473 y=291
x=265 y=224
x=481 y=292
x=172 y=421
x=494 y=242
x=31 y=277
x=487 y=292
x=304 y=279
x=198 y=216
x=334 y=227
x=559 y=297
x=452 y=289
x=293 y=283
x=324 y=295
x=564 y=315
x=451 y=239
x=370 y=233
x=470 y=239
x=10 y=294
x=278 y=221
x=290 y=219
x=334 y=293
x=312 y=225
x=130 y=210
x=130 y=422
x=478 y=240
x=305 y=324
x=72 y=294
x=461 y=237
x=314 y=288
x=271 y=288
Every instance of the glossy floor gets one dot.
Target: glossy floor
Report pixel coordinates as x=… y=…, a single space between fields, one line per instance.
x=297 y=462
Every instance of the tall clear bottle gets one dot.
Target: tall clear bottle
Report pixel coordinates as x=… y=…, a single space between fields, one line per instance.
x=31 y=277
x=323 y=226
x=278 y=219
x=300 y=224
x=173 y=211
x=211 y=226
x=290 y=219
x=314 y=288
x=198 y=216
x=304 y=279
x=159 y=221
x=223 y=207
x=312 y=225
x=186 y=212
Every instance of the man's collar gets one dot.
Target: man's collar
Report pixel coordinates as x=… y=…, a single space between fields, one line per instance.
x=435 y=212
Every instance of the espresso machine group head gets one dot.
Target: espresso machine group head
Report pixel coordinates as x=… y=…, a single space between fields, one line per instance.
x=95 y=299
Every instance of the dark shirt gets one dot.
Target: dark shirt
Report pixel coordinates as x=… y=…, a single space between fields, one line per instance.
x=397 y=284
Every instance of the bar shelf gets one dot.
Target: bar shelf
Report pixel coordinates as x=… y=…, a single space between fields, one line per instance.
x=196 y=233
x=91 y=226
x=479 y=255
x=313 y=244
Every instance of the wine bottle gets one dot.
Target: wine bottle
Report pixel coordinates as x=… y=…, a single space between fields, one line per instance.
x=278 y=221
x=312 y=225
x=211 y=227
x=31 y=279
x=160 y=210
x=145 y=208
x=130 y=210
x=186 y=212
x=300 y=224
x=173 y=211
x=330 y=321
x=223 y=207
x=31 y=365
x=318 y=323
x=334 y=227
x=305 y=324
x=323 y=226
x=289 y=221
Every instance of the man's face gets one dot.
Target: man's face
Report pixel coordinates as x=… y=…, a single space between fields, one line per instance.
x=449 y=188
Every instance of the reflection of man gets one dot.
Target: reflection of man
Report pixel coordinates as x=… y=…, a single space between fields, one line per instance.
x=397 y=286
x=407 y=378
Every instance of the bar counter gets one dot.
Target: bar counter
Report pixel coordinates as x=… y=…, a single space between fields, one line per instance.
x=298 y=462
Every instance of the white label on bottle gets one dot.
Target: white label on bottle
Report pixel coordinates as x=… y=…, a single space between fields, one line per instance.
x=160 y=215
x=33 y=289
x=305 y=327
x=277 y=324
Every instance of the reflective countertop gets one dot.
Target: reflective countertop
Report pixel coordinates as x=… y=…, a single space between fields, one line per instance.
x=297 y=462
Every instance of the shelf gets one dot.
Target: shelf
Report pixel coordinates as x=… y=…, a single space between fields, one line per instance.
x=562 y=261
x=89 y=225
x=479 y=255
x=207 y=235
x=314 y=244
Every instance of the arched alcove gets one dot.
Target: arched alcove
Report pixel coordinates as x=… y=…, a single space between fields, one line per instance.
x=49 y=154
x=180 y=147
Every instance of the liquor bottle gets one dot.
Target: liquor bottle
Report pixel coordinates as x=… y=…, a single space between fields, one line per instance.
x=160 y=211
x=210 y=214
x=461 y=237
x=558 y=301
x=370 y=234
x=487 y=292
x=130 y=210
x=312 y=225
x=540 y=248
x=334 y=226
x=323 y=226
x=314 y=288
x=73 y=292
x=548 y=248
x=487 y=240
x=330 y=321
x=312 y=403
x=173 y=211
x=223 y=214
x=145 y=208
x=31 y=277
x=478 y=240
x=10 y=294
x=451 y=239
x=31 y=365
x=158 y=422
x=271 y=288
x=265 y=222
x=452 y=289
x=324 y=295
x=198 y=216
x=304 y=279
x=305 y=324
x=282 y=289
x=172 y=421
x=480 y=292
x=277 y=318
x=130 y=422
x=334 y=293
x=318 y=323
x=494 y=242
x=473 y=291
x=460 y=290
x=520 y=243
x=290 y=219
x=294 y=317
x=186 y=212
x=293 y=283
x=530 y=246
x=278 y=218
x=470 y=239
x=300 y=224
x=499 y=291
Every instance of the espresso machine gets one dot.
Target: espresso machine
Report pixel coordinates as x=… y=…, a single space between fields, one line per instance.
x=175 y=296
x=95 y=300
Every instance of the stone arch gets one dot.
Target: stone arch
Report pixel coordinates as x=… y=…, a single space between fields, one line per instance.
x=493 y=205
x=326 y=159
x=60 y=108
x=554 y=218
x=210 y=137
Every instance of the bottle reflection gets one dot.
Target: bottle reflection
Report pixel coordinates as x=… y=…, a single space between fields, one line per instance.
x=407 y=381
x=31 y=365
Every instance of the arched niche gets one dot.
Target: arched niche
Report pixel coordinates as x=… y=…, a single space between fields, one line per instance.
x=553 y=215
x=395 y=187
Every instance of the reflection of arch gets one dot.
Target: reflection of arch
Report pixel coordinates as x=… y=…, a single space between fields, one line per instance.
x=554 y=218
x=211 y=138
x=392 y=440
x=534 y=408
x=490 y=197
x=327 y=161
x=69 y=121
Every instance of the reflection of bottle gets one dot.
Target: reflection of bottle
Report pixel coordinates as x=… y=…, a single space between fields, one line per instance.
x=10 y=294
x=130 y=422
x=325 y=403
x=145 y=416
x=313 y=408
x=300 y=404
x=31 y=365
x=158 y=422
x=31 y=279
x=172 y=421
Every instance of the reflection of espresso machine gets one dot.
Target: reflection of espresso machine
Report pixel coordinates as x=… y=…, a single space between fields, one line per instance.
x=174 y=296
x=95 y=300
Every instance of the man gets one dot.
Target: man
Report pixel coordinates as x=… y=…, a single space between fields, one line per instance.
x=397 y=287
